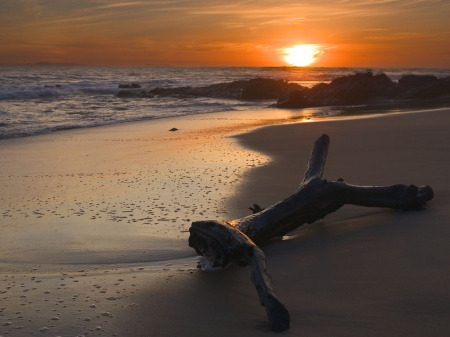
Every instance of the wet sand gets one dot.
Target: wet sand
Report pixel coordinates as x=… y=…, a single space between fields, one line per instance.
x=95 y=226
x=90 y=216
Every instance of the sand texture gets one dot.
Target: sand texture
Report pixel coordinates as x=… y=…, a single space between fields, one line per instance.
x=94 y=230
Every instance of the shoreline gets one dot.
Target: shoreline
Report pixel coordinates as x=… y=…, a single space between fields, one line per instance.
x=93 y=219
x=367 y=271
x=72 y=186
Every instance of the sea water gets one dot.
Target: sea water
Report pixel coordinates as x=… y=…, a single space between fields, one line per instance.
x=45 y=98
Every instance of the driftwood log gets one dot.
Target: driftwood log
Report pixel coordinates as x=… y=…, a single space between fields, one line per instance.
x=237 y=240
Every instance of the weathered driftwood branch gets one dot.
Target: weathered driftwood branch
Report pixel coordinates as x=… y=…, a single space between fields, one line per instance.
x=221 y=244
x=234 y=241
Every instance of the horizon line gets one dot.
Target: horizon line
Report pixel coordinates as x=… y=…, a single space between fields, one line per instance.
x=73 y=64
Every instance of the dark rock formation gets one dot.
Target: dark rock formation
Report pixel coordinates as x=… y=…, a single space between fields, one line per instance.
x=133 y=93
x=353 y=89
x=294 y=99
x=253 y=89
x=423 y=86
x=360 y=88
x=408 y=82
x=366 y=88
x=263 y=88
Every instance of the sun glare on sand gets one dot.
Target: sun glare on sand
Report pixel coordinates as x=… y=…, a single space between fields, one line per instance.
x=302 y=55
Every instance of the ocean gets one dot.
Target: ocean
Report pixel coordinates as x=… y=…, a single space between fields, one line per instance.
x=45 y=98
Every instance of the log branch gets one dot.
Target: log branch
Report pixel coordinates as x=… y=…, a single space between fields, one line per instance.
x=235 y=241
x=317 y=159
x=222 y=244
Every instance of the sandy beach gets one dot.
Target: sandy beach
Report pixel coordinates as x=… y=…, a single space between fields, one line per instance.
x=95 y=226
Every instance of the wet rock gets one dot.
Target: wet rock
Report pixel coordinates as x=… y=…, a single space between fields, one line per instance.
x=360 y=88
x=263 y=88
x=423 y=87
x=354 y=89
x=409 y=82
x=293 y=99
x=257 y=88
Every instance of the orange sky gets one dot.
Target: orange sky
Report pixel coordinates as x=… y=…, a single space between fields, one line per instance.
x=414 y=33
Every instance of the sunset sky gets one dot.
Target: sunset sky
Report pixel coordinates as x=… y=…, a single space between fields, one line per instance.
x=409 y=33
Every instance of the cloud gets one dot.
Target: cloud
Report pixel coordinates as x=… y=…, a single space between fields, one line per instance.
x=232 y=14
x=281 y=11
x=124 y=4
x=31 y=7
x=212 y=25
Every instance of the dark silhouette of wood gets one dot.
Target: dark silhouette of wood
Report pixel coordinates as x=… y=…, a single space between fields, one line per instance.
x=236 y=241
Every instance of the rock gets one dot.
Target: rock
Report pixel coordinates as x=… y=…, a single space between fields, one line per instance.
x=354 y=89
x=173 y=129
x=257 y=88
x=263 y=88
x=408 y=82
x=133 y=93
x=423 y=87
x=360 y=88
x=293 y=99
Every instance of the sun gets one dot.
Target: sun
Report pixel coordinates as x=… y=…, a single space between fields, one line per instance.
x=302 y=55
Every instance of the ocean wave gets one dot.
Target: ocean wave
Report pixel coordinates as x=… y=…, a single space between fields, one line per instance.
x=28 y=93
x=76 y=117
x=81 y=88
